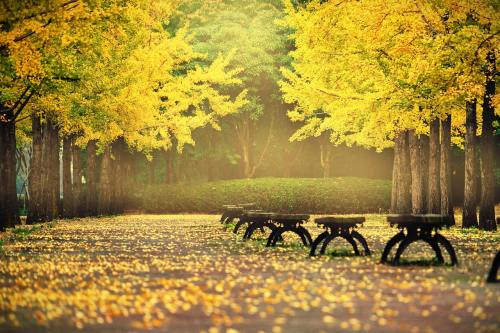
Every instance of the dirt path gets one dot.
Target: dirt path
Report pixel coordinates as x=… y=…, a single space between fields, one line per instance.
x=185 y=273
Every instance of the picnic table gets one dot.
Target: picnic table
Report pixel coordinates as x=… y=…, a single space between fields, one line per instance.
x=289 y=223
x=231 y=212
x=343 y=227
x=415 y=227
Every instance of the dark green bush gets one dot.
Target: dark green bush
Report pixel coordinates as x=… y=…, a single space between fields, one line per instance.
x=295 y=195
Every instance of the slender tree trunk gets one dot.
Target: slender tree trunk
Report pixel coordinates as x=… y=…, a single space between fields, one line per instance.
x=404 y=205
x=169 y=165
x=50 y=163
x=151 y=171
x=55 y=175
x=104 y=203
x=487 y=205
x=119 y=152
x=78 y=194
x=325 y=157
x=445 y=168
x=246 y=160
x=417 y=185
x=45 y=194
x=424 y=169
x=469 y=217
x=395 y=175
x=434 y=199
x=35 y=207
x=68 y=195
x=91 y=179
x=9 y=215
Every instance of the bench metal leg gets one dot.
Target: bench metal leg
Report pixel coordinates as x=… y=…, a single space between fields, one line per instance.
x=326 y=242
x=349 y=238
x=271 y=236
x=318 y=241
x=281 y=230
x=402 y=247
x=390 y=244
x=492 y=275
x=223 y=217
x=435 y=246
x=447 y=245
x=356 y=235
x=238 y=225
x=250 y=229
x=306 y=234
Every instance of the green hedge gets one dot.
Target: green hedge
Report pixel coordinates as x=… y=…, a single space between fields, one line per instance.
x=295 y=195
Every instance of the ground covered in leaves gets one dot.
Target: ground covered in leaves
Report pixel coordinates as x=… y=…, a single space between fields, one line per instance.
x=187 y=273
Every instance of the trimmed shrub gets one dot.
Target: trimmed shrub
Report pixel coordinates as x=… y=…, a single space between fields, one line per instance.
x=341 y=195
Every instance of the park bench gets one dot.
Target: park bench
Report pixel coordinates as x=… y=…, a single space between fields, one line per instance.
x=231 y=212
x=289 y=223
x=492 y=276
x=254 y=220
x=423 y=227
x=343 y=227
x=250 y=217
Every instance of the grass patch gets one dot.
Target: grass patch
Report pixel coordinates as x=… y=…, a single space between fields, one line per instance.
x=25 y=231
x=342 y=195
x=422 y=262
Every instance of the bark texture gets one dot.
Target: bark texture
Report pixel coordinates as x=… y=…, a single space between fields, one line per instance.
x=445 y=167
x=404 y=205
x=417 y=185
x=433 y=196
x=105 y=184
x=35 y=204
x=78 y=193
x=68 y=197
x=424 y=169
x=9 y=215
x=469 y=215
x=91 y=174
x=487 y=205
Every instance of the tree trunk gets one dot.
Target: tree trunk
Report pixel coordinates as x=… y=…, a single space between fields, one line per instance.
x=395 y=175
x=169 y=165
x=404 y=175
x=247 y=170
x=434 y=199
x=151 y=171
x=68 y=196
x=55 y=175
x=35 y=204
x=119 y=151
x=50 y=182
x=104 y=203
x=424 y=169
x=325 y=149
x=417 y=185
x=469 y=216
x=487 y=205
x=9 y=214
x=91 y=179
x=78 y=194
x=445 y=168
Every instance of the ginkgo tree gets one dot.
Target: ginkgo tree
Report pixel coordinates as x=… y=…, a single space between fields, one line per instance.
x=109 y=73
x=374 y=72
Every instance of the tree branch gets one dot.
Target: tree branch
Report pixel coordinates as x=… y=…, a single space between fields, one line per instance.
x=22 y=106
x=31 y=32
x=266 y=147
x=426 y=20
